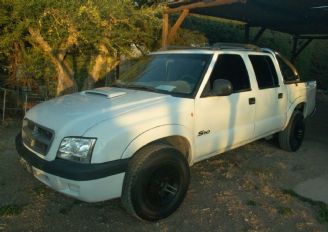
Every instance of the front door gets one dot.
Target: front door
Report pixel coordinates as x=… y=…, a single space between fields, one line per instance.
x=223 y=122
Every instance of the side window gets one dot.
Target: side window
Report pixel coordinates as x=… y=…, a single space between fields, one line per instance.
x=266 y=74
x=288 y=73
x=232 y=68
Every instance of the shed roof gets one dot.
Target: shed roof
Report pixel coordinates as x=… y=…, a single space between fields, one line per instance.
x=296 y=17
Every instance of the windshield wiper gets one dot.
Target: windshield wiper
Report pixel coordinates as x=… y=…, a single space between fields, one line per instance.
x=137 y=87
x=118 y=85
x=143 y=87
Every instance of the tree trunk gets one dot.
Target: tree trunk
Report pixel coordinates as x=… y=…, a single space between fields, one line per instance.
x=65 y=75
x=15 y=60
x=103 y=63
x=65 y=78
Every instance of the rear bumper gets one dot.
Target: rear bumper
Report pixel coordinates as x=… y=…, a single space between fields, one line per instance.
x=86 y=182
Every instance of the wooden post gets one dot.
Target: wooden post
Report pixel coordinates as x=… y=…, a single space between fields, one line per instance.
x=169 y=36
x=177 y=25
x=165 y=31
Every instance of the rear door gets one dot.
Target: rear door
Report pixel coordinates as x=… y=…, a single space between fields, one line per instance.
x=271 y=99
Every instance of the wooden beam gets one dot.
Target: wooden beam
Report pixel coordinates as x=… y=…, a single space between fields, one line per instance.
x=312 y=36
x=299 y=50
x=204 y=4
x=258 y=35
x=165 y=30
x=177 y=25
x=169 y=36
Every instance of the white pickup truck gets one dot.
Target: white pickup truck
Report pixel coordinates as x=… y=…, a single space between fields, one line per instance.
x=137 y=139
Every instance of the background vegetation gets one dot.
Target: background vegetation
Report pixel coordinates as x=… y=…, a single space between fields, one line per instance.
x=67 y=46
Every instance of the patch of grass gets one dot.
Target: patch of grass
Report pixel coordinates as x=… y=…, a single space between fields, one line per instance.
x=320 y=207
x=40 y=190
x=11 y=210
x=323 y=214
x=251 y=203
x=68 y=208
x=285 y=211
x=100 y=205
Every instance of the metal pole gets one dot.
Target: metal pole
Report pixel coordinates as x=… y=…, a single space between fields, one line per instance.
x=117 y=72
x=25 y=102
x=4 y=105
x=247 y=31
x=295 y=46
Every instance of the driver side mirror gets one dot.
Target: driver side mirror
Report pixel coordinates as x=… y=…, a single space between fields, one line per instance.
x=221 y=87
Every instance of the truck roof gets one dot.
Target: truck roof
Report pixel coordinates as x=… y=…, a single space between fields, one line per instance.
x=216 y=47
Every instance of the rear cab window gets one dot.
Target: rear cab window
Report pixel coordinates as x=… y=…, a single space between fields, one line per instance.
x=265 y=72
x=289 y=73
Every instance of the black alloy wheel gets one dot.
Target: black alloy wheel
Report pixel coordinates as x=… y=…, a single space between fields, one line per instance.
x=156 y=182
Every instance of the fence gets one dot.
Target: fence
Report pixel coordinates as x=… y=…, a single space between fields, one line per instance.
x=15 y=103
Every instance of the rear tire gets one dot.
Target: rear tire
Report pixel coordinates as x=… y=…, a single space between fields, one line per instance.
x=156 y=182
x=291 y=138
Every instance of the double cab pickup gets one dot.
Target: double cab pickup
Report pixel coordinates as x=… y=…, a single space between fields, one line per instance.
x=138 y=138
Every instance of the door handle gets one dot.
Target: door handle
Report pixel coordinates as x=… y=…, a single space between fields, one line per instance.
x=252 y=101
x=280 y=95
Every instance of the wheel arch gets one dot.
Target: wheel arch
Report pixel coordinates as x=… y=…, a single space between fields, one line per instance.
x=176 y=135
x=300 y=105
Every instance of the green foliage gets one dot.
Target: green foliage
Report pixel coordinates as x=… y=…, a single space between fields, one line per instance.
x=35 y=71
x=320 y=207
x=187 y=37
x=317 y=63
x=74 y=29
x=10 y=210
x=215 y=30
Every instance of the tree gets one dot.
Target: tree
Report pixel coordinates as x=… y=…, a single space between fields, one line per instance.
x=105 y=30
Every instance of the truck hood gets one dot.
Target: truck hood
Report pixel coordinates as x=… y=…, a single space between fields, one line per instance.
x=72 y=115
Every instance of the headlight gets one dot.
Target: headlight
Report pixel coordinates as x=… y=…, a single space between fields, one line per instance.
x=76 y=149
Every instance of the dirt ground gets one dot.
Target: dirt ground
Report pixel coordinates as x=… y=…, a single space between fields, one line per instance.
x=247 y=189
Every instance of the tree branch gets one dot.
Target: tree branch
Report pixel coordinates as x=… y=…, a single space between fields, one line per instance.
x=37 y=38
x=71 y=40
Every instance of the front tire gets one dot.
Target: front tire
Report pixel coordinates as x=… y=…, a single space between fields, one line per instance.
x=156 y=182
x=292 y=137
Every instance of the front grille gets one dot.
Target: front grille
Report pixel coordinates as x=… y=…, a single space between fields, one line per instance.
x=36 y=137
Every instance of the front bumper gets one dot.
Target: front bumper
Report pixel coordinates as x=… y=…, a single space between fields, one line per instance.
x=86 y=182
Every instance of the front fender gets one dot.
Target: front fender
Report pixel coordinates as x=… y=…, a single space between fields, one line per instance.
x=155 y=134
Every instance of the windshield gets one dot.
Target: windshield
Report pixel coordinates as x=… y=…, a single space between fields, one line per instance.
x=166 y=73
